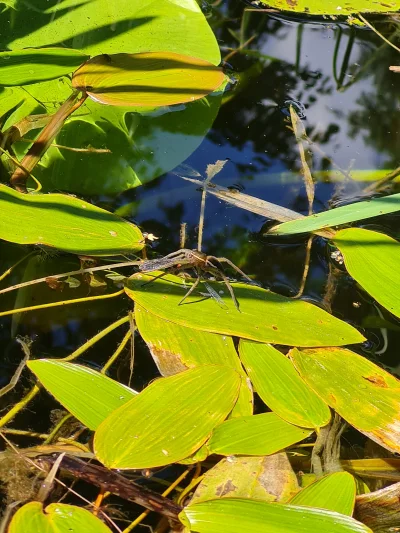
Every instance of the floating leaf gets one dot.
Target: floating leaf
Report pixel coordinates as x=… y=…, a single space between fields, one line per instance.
x=150 y=79
x=251 y=516
x=279 y=385
x=169 y=420
x=340 y=215
x=365 y=395
x=175 y=348
x=66 y=223
x=335 y=492
x=334 y=7
x=32 y=65
x=373 y=260
x=77 y=388
x=263 y=434
x=55 y=518
x=270 y=479
x=265 y=316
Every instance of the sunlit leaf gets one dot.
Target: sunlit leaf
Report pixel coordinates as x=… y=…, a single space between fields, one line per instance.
x=364 y=394
x=335 y=492
x=66 y=223
x=269 y=478
x=373 y=260
x=279 y=385
x=147 y=79
x=77 y=388
x=263 y=434
x=251 y=516
x=55 y=518
x=32 y=65
x=334 y=7
x=169 y=420
x=340 y=215
x=382 y=468
x=175 y=348
x=264 y=316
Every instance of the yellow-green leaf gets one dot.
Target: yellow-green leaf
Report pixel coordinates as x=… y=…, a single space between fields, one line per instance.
x=66 y=223
x=269 y=478
x=373 y=260
x=280 y=386
x=335 y=492
x=236 y=515
x=169 y=420
x=361 y=392
x=334 y=7
x=55 y=518
x=147 y=79
x=255 y=435
x=175 y=348
x=77 y=388
x=264 y=316
x=32 y=65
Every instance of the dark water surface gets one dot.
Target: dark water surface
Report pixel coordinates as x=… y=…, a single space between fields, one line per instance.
x=338 y=77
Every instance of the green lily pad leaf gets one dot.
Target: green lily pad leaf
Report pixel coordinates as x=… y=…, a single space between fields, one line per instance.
x=264 y=316
x=279 y=385
x=175 y=348
x=251 y=516
x=334 y=7
x=335 y=492
x=103 y=28
x=32 y=65
x=373 y=260
x=66 y=223
x=169 y=420
x=365 y=395
x=55 y=518
x=263 y=434
x=147 y=79
x=270 y=479
x=77 y=388
x=340 y=215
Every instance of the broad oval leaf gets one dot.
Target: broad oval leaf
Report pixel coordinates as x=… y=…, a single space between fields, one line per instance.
x=365 y=395
x=335 y=492
x=264 y=316
x=55 y=518
x=334 y=7
x=267 y=478
x=240 y=515
x=77 y=388
x=340 y=215
x=169 y=420
x=373 y=260
x=175 y=348
x=32 y=65
x=150 y=79
x=263 y=434
x=280 y=386
x=66 y=223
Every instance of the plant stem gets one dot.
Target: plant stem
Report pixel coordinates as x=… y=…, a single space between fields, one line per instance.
x=46 y=137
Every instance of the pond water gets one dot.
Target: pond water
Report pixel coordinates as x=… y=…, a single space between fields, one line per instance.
x=337 y=77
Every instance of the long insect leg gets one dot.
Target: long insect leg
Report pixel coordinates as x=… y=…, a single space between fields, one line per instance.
x=229 y=262
x=189 y=292
x=228 y=285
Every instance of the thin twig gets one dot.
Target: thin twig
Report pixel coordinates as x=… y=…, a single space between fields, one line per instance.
x=306 y=267
x=377 y=32
x=67 y=274
x=117 y=352
x=17 y=374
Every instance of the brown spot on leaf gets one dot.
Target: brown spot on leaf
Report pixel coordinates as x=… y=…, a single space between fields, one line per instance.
x=377 y=380
x=275 y=328
x=331 y=399
x=168 y=363
x=291 y=3
x=225 y=488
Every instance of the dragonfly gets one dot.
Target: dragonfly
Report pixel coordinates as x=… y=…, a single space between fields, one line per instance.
x=200 y=262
